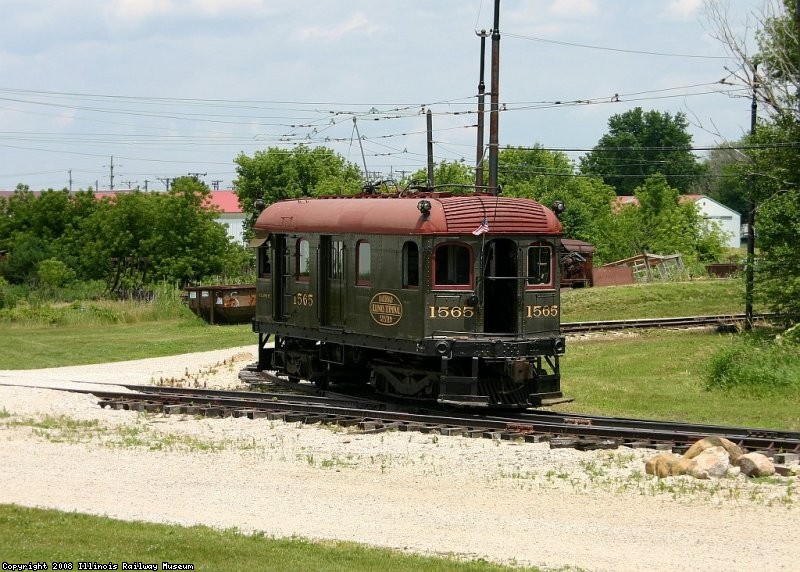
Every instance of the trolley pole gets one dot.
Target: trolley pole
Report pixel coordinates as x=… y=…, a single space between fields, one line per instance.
x=494 y=114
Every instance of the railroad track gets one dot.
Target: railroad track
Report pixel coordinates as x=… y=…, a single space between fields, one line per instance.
x=371 y=416
x=724 y=320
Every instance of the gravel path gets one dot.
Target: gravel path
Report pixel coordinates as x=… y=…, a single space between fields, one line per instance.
x=503 y=501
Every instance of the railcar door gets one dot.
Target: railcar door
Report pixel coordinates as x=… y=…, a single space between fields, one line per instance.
x=501 y=286
x=280 y=278
x=332 y=278
x=542 y=311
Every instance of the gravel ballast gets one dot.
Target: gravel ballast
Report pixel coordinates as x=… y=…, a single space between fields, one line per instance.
x=503 y=501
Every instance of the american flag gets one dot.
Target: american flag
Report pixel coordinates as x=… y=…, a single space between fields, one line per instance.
x=483 y=228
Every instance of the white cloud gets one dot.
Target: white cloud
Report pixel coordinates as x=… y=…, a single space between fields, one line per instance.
x=66 y=118
x=574 y=8
x=135 y=11
x=222 y=7
x=356 y=22
x=682 y=9
x=138 y=10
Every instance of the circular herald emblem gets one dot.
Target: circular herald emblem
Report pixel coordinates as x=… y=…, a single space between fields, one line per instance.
x=386 y=309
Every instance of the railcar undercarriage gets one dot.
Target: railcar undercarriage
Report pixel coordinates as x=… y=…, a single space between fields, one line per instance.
x=504 y=382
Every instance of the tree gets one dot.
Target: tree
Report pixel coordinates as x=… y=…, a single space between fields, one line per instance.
x=641 y=144
x=457 y=175
x=661 y=223
x=174 y=231
x=723 y=181
x=533 y=172
x=778 y=272
x=57 y=235
x=771 y=72
x=773 y=169
x=30 y=230
x=277 y=174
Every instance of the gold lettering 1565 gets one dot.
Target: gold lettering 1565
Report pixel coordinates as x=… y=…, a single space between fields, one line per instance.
x=451 y=311
x=541 y=311
x=303 y=299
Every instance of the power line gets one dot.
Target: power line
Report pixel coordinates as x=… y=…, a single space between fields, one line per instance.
x=610 y=49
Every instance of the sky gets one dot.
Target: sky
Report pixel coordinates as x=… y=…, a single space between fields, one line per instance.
x=165 y=88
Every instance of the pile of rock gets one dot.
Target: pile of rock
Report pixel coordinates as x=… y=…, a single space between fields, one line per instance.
x=713 y=457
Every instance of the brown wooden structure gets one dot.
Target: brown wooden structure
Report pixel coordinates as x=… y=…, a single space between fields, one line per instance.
x=223 y=304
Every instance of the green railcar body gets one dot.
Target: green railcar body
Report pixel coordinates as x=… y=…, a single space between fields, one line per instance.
x=429 y=296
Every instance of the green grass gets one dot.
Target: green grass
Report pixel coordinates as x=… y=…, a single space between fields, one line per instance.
x=758 y=365
x=654 y=374
x=657 y=300
x=35 y=535
x=36 y=346
x=97 y=332
x=663 y=375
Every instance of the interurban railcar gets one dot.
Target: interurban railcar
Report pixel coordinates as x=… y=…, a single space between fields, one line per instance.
x=424 y=296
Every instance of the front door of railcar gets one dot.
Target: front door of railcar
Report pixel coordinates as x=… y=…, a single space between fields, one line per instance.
x=332 y=277
x=501 y=287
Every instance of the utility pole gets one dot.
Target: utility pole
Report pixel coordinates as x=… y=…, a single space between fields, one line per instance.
x=166 y=181
x=481 y=100
x=197 y=175
x=70 y=180
x=494 y=114
x=111 y=176
x=146 y=181
x=751 y=217
x=215 y=184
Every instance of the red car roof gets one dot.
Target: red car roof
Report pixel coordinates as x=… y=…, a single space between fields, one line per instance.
x=383 y=214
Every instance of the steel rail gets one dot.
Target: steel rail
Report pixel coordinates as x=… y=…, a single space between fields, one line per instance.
x=752 y=438
x=530 y=426
x=683 y=321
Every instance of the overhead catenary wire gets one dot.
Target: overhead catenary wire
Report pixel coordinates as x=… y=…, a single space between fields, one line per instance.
x=315 y=127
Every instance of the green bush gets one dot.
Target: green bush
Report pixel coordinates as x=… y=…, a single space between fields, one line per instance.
x=757 y=366
x=7 y=297
x=66 y=306
x=26 y=313
x=53 y=273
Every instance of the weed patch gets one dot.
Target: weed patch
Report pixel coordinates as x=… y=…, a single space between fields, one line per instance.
x=755 y=366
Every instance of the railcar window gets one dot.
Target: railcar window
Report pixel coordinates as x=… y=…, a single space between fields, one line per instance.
x=540 y=265
x=410 y=265
x=337 y=260
x=302 y=260
x=363 y=263
x=453 y=264
x=264 y=266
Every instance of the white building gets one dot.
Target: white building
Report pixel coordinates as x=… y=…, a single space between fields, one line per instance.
x=729 y=221
x=230 y=214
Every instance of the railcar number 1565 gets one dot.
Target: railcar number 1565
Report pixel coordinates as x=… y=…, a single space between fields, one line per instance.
x=469 y=311
x=451 y=311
